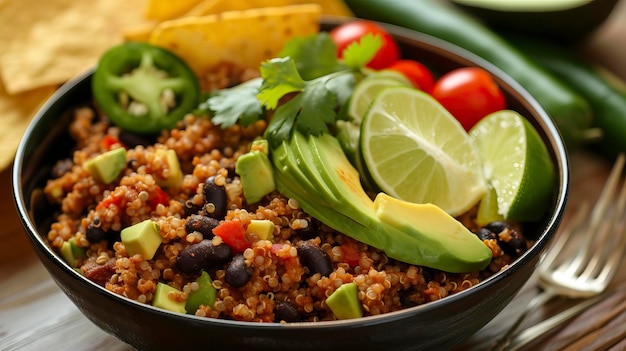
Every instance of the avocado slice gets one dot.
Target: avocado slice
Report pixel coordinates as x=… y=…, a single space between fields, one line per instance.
x=106 y=167
x=143 y=238
x=205 y=295
x=443 y=239
x=343 y=205
x=162 y=300
x=256 y=175
x=344 y=302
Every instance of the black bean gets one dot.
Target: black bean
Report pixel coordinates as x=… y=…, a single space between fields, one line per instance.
x=485 y=234
x=497 y=227
x=516 y=245
x=202 y=255
x=61 y=167
x=215 y=199
x=201 y=224
x=131 y=140
x=310 y=231
x=95 y=233
x=314 y=258
x=428 y=274
x=190 y=208
x=286 y=312
x=237 y=274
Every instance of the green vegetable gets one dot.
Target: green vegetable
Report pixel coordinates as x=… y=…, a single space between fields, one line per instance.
x=569 y=110
x=344 y=302
x=606 y=94
x=568 y=20
x=307 y=71
x=143 y=238
x=72 y=253
x=162 y=298
x=256 y=174
x=107 y=166
x=144 y=88
x=205 y=295
x=315 y=171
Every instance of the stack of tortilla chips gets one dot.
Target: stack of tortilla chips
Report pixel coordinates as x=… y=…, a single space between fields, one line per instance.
x=47 y=44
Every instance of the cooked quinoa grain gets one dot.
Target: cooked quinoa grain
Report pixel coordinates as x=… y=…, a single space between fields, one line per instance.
x=284 y=278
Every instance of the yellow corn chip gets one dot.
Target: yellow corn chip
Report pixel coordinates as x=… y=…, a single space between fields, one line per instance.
x=207 y=7
x=161 y=10
x=48 y=44
x=16 y=112
x=243 y=38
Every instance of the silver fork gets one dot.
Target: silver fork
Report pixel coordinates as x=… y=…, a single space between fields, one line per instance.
x=586 y=255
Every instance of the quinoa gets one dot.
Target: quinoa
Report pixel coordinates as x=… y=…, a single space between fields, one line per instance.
x=92 y=214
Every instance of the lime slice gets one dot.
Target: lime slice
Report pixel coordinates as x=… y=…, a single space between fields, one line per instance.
x=516 y=163
x=367 y=90
x=488 y=208
x=415 y=150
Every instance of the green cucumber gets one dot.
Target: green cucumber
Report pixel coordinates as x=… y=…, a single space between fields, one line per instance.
x=605 y=92
x=570 y=111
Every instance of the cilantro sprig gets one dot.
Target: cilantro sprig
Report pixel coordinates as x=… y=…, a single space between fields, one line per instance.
x=302 y=89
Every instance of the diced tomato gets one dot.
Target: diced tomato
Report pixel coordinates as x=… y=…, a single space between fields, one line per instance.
x=159 y=196
x=233 y=234
x=350 y=253
x=113 y=199
x=108 y=141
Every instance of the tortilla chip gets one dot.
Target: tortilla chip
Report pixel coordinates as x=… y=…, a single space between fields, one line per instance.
x=47 y=45
x=16 y=112
x=244 y=38
x=161 y=10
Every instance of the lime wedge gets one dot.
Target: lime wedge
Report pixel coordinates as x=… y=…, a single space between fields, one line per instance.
x=368 y=88
x=516 y=163
x=415 y=150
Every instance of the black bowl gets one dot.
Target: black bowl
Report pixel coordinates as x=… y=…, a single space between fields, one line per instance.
x=437 y=325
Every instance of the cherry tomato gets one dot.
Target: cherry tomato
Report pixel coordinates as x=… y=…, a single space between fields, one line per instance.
x=347 y=33
x=469 y=93
x=419 y=75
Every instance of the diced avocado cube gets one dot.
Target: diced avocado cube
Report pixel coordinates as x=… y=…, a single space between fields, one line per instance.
x=143 y=238
x=205 y=295
x=107 y=166
x=175 y=177
x=263 y=228
x=344 y=302
x=256 y=174
x=162 y=299
x=71 y=253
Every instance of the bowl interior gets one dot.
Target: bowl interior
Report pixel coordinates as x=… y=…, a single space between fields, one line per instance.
x=47 y=140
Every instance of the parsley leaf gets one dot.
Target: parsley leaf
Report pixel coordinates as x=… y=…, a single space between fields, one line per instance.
x=360 y=53
x=315 y=56
x=236 y=104
x=280 y=77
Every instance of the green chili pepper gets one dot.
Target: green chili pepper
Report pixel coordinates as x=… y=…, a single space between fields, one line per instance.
x=144 y=88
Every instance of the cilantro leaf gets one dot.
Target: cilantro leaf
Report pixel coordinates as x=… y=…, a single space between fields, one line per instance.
x=236 y=104
x=280 y=77
x=315 y=55
x=359 y=53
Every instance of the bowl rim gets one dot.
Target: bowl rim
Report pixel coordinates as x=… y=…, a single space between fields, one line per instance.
x=554 y=143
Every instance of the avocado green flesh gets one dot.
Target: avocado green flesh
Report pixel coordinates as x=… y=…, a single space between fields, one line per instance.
x=162 y=300
x=344 y=302
x=255 y=172
x=304 y=164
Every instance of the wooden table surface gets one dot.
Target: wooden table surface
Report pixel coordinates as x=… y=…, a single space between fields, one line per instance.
x=35 y=315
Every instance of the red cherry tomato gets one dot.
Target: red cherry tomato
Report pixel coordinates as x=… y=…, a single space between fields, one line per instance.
x=347 y=33
x=469 y=93
x=419 y=75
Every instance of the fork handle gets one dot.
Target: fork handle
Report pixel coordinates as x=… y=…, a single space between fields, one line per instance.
x=537 y=301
